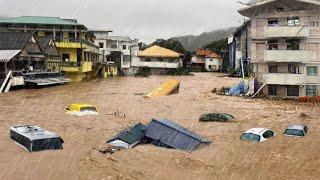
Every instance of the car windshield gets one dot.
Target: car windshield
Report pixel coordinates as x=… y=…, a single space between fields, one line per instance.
x=294 y=132
x=250 y=137
x=90 y=108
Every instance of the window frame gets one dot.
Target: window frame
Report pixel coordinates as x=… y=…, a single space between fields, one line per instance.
x=315 y=89
x=315 y=73
x=293 y=21
x=273 y=89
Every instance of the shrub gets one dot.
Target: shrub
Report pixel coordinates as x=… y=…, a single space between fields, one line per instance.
x=178 y=72
x=143 y=72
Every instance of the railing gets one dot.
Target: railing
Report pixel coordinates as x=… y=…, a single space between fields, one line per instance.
x=64 y=64
x=74 y=40
x=286 y=31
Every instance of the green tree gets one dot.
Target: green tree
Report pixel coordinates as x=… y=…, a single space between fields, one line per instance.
x=171 y=44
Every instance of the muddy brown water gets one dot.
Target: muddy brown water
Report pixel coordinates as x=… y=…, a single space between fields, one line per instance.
x=225 y=158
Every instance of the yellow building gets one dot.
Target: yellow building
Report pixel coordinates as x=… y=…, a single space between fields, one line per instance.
x=80 y=58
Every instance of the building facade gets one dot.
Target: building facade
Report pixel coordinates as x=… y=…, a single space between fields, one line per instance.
x=120 y=50
x=285 y=46
x=160 y=60
x=206 y=60
x=73 y=41
x=240 y=49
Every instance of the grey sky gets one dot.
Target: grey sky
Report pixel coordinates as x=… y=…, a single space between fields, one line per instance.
x=143 y=19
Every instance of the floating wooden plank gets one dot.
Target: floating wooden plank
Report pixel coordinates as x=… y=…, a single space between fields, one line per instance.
x=167 y=88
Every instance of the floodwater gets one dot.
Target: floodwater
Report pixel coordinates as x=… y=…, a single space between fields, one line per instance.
x=226 y=158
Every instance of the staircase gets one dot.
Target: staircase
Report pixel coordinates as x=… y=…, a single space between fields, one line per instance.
x=6 y=85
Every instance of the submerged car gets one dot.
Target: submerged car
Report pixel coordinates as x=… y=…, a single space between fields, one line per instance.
x=220 y=117
x=257 y=134
x=81 y=109
x=33 y=138
x=296 y=130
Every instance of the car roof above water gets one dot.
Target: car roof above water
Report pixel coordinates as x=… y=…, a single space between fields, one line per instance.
x=258 y=131
x=297 y=126
x=34 y=132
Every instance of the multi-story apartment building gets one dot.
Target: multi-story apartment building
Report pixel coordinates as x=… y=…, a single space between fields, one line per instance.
x=74 y=42
x=120 y=50
x=285 y=50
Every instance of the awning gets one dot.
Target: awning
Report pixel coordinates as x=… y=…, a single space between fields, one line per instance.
x=7 y=55
x=47 y=81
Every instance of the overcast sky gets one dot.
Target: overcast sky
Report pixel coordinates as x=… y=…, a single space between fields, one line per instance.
x=143 y=19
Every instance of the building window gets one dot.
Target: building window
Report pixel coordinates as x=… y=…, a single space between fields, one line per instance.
x=147 y=60
x=273 y=69
x=272 y=90
x=101 y=45
x=293 y=21
x=293 y=44
x=280 y=9
x=292 y=90
x=312 y=90
x=273 y=45
x=66 y=57
x=124 y=47
x=314 y=23
x=113 y=46
x=293 y=69
x=272 y=22
x=312 y=70
x=41 y=34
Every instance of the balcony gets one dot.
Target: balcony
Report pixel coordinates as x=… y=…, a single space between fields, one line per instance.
x=287 y=32
x=71 y=66
x=155 y=64
x=76 y=43
x=284 y=79
x=290 y=56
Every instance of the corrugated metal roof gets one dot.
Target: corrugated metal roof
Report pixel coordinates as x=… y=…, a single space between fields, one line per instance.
x=40 y=20
x=130 y=135
x=157 y=51
x=7 y=55
x=169 y=134
x=14 y=40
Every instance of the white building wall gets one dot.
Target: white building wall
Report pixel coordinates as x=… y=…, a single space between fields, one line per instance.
x=213 y=64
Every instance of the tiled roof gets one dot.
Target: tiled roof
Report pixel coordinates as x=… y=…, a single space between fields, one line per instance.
x=40 y=20
x=157 y=51
x=213 y=55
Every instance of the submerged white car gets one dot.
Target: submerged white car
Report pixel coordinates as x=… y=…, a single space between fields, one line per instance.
x=257 y=134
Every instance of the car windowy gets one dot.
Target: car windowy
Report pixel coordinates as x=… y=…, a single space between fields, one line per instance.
x=250 y=137
x=294 y=132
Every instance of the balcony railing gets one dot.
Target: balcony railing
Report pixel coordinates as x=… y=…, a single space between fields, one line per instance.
x=283 y=79
x=155 y=64
x=75 y=40
x=298 y=56
x=287 y=31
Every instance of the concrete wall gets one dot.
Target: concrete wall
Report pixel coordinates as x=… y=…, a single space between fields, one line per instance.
x=309 y=36
x=213 y=64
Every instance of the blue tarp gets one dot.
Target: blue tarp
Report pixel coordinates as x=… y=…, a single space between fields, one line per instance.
x=238 y=89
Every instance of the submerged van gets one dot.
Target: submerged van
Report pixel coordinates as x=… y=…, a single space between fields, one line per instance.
x=33 y=138
x=81 y=109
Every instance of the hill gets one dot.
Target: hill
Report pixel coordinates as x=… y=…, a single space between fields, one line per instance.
x=192 y=42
